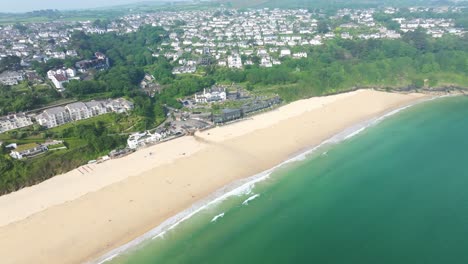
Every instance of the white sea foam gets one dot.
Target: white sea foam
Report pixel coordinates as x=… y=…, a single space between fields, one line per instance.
x=217 y=217
x=159 y=235
x=109 y=258
x=251 y=198
x=244 y=186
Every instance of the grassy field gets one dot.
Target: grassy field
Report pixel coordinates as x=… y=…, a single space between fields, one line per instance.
x=81 y=15
x=117 y=123
x=111 y=12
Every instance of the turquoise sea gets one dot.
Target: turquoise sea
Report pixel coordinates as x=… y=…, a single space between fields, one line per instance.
x=395 y=193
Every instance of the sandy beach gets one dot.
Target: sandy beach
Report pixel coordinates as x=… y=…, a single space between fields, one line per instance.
x=79 y=216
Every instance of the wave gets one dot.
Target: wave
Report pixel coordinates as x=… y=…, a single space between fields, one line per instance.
x=251 y=198
x=159 y=235
x=245 y=186
x=217 y=217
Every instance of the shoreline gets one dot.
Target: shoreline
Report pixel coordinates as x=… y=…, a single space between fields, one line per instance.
x=27 y=195
x=243 y=186
x=128 y=205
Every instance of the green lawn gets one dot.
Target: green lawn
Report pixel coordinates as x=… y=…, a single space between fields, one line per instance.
x=106 y=118
x=42 y=87
x=57 y=146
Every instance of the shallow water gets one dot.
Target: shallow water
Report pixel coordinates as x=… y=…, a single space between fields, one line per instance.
x=395 y=193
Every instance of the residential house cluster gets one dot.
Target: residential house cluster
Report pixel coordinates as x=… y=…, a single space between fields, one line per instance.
x=223 y=37
x=436 y=27
x=184 y=69
x=40 y=42
x=99 y=62
x=11 y=77
x=150 y=86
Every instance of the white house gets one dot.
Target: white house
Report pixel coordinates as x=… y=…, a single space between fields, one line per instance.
x=211 y=95
x=265 y=62
x=70 y=72
x=58 y=80
x=61 y=76
x=235 y=61
x=315 y=42
x=285 y=52
x=299 y=55
x=141 y=139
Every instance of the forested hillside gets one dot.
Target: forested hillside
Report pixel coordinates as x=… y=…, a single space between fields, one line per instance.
x=414 y=62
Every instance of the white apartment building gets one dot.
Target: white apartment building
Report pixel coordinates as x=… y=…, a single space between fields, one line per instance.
x=14 y=121
x=53 y=117
x=235 y=61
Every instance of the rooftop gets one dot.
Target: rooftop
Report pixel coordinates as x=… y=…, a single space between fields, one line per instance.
x=26 y=147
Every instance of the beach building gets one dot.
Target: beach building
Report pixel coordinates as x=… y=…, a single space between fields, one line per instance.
x=227 y=115
x=137 y=140
x=28 y=150
x=236 y=113
x=211 y=95
x=258 y=105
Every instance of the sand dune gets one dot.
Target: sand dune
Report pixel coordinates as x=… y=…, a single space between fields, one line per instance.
x=79 y=216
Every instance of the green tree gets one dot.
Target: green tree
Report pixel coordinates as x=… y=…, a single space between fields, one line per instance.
x=323 y=27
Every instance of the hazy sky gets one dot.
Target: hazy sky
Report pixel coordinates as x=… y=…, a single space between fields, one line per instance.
x=30 y=5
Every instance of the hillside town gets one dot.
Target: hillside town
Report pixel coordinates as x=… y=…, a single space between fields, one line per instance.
x=224 y=37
